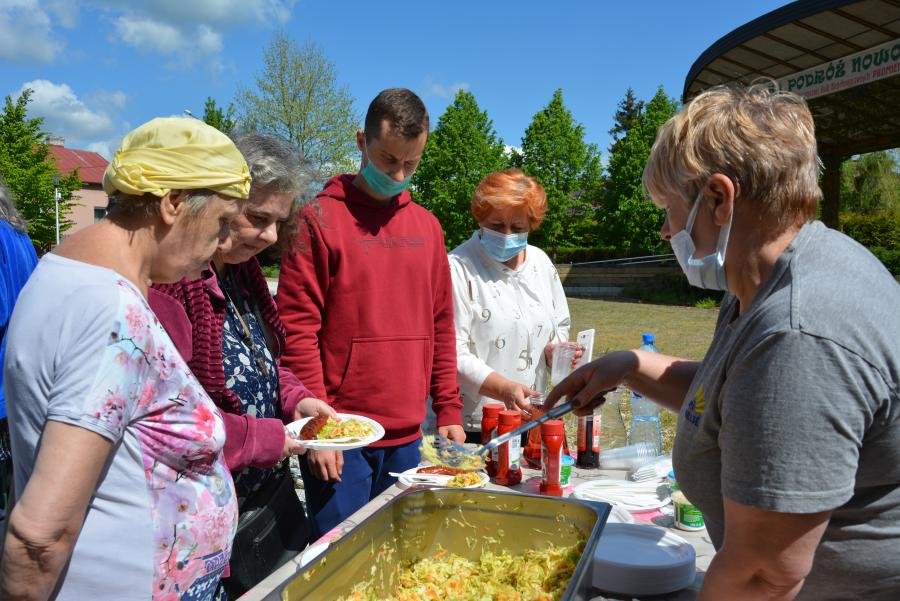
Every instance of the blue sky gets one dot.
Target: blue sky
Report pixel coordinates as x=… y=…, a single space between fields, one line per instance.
x=101 y=67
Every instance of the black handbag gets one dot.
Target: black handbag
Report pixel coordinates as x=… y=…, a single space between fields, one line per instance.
x=272 y=529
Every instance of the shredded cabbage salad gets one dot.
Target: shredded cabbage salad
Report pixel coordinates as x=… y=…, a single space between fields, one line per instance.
x=536 y=575
x=352 y=428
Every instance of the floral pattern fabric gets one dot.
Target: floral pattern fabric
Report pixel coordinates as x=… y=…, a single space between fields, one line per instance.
x=145 y=386
x=256 y=390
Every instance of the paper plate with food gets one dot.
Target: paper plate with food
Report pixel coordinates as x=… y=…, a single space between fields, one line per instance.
x=323 y=433
x=439 y=475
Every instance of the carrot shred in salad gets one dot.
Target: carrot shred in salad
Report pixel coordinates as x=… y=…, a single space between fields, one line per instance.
x=536 y=575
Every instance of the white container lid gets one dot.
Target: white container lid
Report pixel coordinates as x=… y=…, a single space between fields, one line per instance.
x=634 y=559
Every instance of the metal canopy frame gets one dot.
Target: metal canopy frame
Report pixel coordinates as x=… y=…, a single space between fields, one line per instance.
x=805 y=34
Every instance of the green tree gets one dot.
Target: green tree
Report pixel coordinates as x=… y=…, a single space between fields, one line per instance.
x=629 y=222
x=628 y=112
x=554 y=151
x=870 y=183
x=221 y=119
x=28 y=169
x=461 y=151
x=297 y=97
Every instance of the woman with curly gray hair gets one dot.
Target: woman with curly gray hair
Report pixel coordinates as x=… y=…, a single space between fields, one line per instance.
x=227 y=327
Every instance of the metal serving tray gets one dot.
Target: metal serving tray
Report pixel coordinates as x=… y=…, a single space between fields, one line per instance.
x=412 y=526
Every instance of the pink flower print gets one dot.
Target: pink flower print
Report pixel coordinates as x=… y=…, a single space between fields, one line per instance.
x=135 y=317
x=205 y=421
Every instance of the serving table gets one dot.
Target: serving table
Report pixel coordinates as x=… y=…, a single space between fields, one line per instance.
x=531 y=479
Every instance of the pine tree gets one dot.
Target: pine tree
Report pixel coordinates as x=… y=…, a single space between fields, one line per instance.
x=630 y=109
x=461 y=151
x=28 y=168
x=221 y=119
x=630 y=222
x=554 y=151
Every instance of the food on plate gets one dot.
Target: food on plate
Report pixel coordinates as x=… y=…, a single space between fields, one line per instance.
x=536 y=574
x=440 y=470
x=323 y=427
x=310 y=429
x=465 y=479
x=448 y=457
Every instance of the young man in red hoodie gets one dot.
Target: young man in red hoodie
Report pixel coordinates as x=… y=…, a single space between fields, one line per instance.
x=366 y=303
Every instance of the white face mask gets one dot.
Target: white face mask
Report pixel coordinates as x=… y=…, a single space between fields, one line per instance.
x=709 y=271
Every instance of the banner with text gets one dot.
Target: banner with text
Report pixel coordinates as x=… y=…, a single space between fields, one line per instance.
x=857 y=69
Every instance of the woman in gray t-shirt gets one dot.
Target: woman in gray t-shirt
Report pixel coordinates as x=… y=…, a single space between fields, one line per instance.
x=789 y=429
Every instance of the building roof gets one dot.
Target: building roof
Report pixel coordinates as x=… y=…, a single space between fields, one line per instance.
x=90 y=165
x=843 y=56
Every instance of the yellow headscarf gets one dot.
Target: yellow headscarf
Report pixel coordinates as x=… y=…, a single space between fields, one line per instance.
x=177 y=153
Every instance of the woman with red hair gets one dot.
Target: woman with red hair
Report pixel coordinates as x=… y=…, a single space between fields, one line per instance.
x=508 y=304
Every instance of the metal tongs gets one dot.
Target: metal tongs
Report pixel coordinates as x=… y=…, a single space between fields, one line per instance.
x=454 y=454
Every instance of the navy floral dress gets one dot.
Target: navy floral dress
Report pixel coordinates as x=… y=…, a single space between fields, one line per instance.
x=244 y=376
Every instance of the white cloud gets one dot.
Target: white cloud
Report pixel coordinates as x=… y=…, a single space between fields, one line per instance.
x=95 y=127
x=444 y=91
x=26 y=35
x=508 y=150
x=220 y=13
x=65 y=11
x=155 y=36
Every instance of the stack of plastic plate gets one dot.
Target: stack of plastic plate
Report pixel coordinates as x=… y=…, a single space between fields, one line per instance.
x=633 y=559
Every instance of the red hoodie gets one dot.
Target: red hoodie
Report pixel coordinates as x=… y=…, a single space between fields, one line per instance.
x=367 y=307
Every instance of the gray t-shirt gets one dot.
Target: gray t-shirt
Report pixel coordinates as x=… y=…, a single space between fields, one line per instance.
x=85 y=349
x=796 y=409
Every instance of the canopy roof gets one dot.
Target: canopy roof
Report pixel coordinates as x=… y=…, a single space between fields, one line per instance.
x=842 y=55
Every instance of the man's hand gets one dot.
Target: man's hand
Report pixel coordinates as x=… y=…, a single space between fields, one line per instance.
x=326 y=465
x=454 y=433
x=310 y=407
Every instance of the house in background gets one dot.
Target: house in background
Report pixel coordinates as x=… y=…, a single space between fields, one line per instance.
x=91 y=200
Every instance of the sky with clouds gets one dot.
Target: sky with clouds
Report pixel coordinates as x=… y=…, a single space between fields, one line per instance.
x=98 y=68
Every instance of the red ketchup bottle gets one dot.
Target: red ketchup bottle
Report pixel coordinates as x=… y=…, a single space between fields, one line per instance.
x=490 y=416
x=553 y=433
x=588 y=441
x=509 y=453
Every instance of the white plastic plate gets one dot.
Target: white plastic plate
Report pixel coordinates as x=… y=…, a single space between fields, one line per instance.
x=606 y=490
x=405 y=482
x=634 y=559
x=323 y=445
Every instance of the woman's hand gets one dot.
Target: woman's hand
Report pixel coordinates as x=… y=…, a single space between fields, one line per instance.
x=292 y=446
x=587 y=385
x=509 y=392
x=548 y=352
x=311 y=407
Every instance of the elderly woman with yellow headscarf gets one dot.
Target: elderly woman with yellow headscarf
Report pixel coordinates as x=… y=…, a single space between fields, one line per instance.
x=122 y=491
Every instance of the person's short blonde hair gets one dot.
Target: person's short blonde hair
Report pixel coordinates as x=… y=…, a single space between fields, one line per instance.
x=510 y=188
x=762 y=139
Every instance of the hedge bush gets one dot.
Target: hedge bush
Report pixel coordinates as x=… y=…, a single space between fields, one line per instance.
x=880 y=230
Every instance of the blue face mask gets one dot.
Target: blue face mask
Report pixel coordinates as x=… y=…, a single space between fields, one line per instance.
x=502 y=247
x=380 y=182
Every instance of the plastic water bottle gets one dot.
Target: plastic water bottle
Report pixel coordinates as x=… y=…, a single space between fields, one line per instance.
x=645 y=426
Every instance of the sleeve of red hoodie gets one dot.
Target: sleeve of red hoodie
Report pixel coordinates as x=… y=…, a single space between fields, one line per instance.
x=302 y=286
x=445 y=399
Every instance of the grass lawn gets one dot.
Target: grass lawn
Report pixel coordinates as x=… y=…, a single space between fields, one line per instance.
x=681 y=331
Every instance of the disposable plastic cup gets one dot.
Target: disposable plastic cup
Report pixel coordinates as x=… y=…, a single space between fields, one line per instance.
x=561 y=365
x=627 y=458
